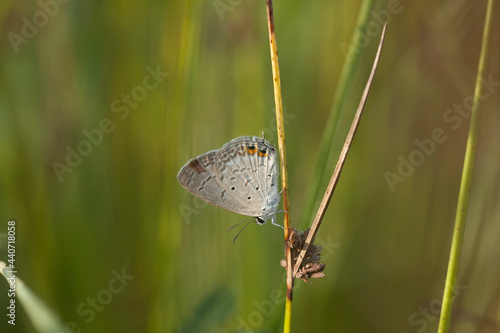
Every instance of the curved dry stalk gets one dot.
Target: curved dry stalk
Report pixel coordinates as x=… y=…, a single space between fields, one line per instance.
x=340 y=163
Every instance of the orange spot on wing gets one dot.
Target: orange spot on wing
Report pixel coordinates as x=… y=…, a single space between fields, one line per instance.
x=252 y=150
x=262 y=153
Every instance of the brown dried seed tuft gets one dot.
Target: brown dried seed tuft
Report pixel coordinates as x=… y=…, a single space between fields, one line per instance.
x=310 y=267
x=311 y=270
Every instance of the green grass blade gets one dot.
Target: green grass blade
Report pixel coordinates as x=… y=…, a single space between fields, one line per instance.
x=465 y=185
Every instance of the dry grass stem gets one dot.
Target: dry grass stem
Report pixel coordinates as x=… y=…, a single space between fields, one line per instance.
x=340 y=163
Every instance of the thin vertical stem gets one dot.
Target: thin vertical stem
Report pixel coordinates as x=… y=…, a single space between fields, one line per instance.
x=465 y=185
x=284 y=175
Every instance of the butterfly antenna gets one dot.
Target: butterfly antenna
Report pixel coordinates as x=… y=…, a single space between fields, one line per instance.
x=237 y=224
x=239 y=232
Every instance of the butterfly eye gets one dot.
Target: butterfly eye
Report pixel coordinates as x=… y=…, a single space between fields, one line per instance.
x=233 y=188
x=249 y=198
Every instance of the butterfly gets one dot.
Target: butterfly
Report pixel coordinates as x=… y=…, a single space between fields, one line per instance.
x=241 y=177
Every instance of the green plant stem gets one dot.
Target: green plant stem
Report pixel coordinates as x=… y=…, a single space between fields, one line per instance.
x=465 y=185
x=280 y=125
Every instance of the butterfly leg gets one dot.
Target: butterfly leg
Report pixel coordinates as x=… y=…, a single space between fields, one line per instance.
x=273 y=221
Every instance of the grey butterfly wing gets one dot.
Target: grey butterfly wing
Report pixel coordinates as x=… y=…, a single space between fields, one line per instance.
x=270 y=174
x=198 y=176
x=246 y=167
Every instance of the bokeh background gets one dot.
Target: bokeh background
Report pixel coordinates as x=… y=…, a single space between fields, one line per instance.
x=85 y=68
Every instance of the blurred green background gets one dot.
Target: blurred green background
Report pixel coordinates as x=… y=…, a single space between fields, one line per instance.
x=76 y=79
